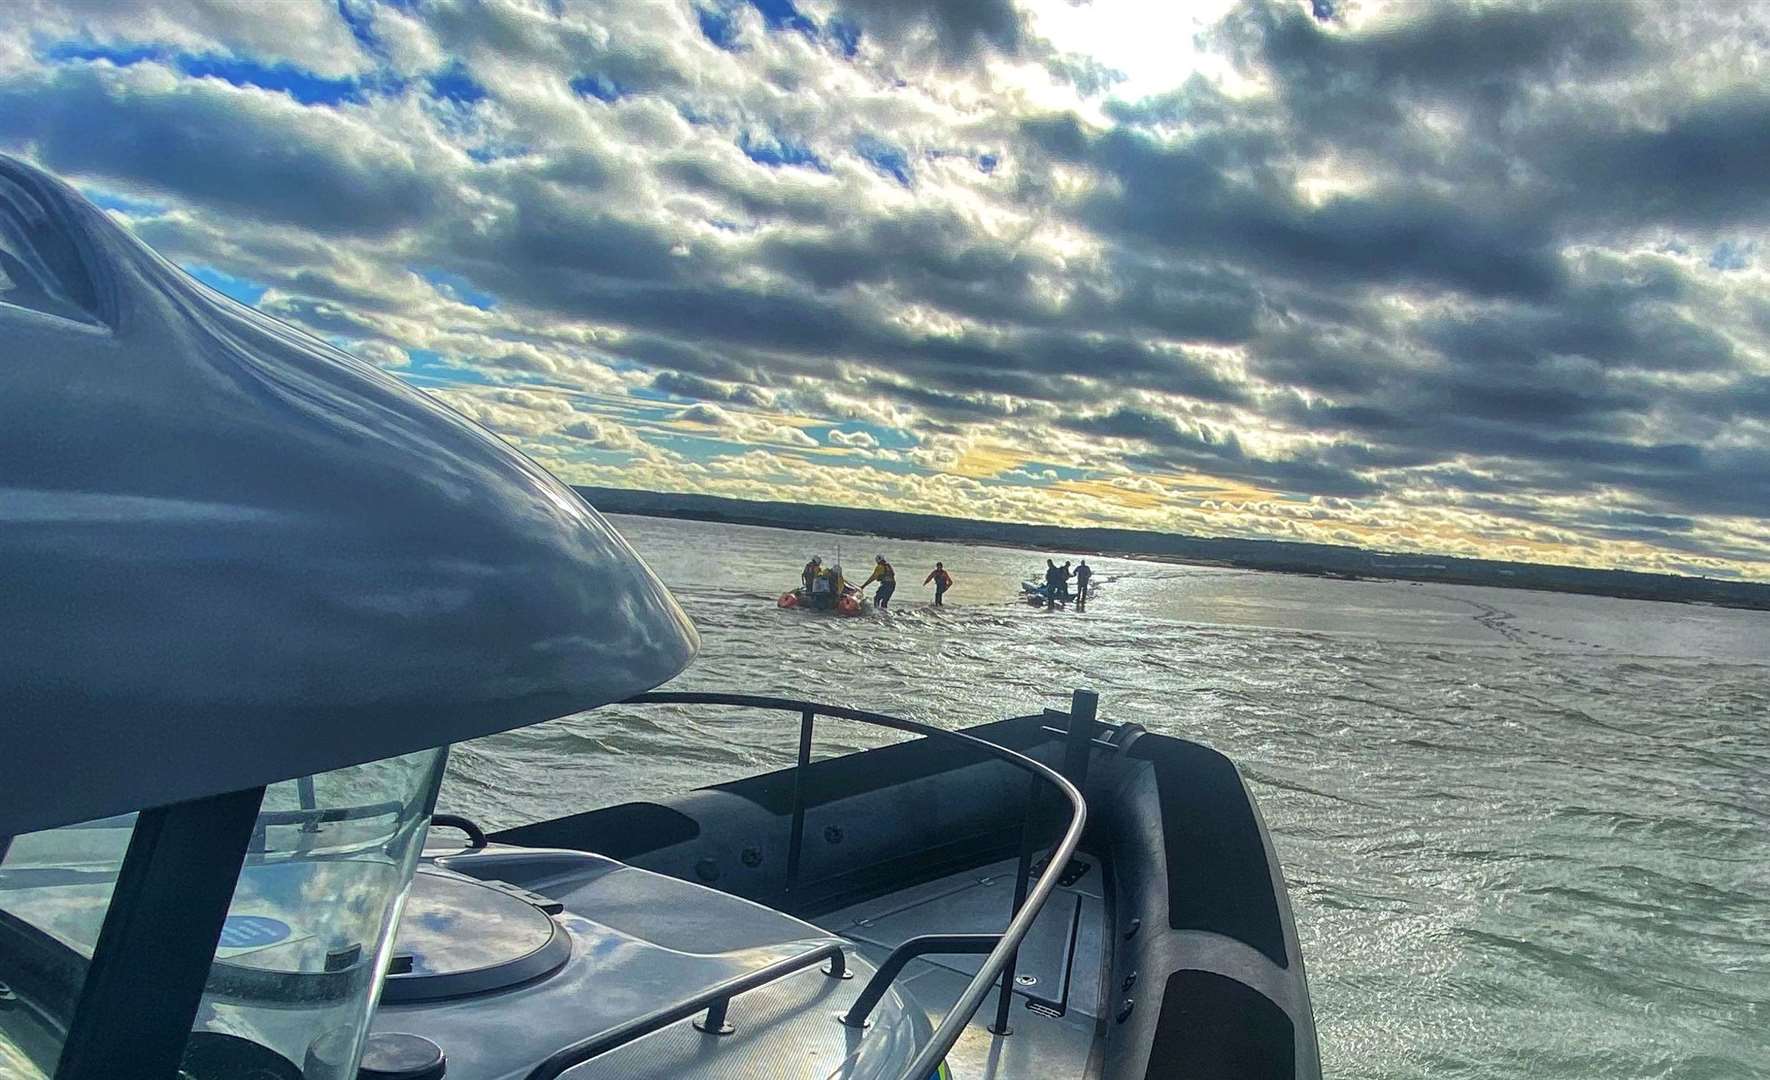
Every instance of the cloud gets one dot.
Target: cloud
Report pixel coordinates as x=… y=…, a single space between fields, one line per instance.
x=246 y=152
x=683 y=384
x=854 y=440
x=306 y=33
x=957 y=32
x=741 y=427
x=1472 y=278
x=601 y=434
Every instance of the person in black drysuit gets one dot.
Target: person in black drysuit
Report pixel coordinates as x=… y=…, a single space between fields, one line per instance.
x=1063 y=579
x=1083 y=573
x=1053 y=583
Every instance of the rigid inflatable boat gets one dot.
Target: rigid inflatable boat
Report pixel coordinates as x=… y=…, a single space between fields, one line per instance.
x=851 y=602
x=256 y=589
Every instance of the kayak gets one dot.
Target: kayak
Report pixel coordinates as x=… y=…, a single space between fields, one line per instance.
x=849 y=603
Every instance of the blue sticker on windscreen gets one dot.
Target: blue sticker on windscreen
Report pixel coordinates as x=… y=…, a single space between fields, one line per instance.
x=252 y=931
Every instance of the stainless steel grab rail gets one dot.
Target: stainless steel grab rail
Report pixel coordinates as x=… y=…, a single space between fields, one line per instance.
x=715 y=1000
x=922 y=945
x=1001 y=958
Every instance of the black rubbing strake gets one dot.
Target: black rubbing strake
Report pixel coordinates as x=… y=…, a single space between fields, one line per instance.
x=1218 y=876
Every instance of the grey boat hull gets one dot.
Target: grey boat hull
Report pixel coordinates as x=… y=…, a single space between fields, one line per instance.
x=1182 y=955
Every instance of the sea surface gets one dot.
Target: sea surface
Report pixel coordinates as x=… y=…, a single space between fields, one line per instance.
x=1526 y=834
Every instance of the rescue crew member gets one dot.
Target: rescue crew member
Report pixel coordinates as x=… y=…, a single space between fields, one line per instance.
x=942 y=582
x=887 y=579
x=823 y=590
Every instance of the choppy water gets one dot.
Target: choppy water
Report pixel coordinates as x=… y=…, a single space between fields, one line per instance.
x=1526 y=834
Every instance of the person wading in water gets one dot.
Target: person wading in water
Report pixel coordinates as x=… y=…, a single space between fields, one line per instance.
x=942 y=582
x=887 y=579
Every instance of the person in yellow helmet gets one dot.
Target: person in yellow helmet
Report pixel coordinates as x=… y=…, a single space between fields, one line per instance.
x=887 y=579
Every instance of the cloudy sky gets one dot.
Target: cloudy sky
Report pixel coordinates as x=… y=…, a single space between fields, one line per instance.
x=1477 y=279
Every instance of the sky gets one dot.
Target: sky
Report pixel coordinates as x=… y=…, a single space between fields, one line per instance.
x=1480 y=279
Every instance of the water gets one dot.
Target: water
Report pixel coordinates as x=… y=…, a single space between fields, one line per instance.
x=1526 y=834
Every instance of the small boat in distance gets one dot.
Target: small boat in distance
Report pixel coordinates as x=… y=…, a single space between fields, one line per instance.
x=256 y=591
x=851 y=602
x=826 y=591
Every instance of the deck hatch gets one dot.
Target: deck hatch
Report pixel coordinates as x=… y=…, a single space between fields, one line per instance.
x=1046 y=956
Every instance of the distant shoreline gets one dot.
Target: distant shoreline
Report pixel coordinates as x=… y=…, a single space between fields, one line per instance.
x=1281 y=556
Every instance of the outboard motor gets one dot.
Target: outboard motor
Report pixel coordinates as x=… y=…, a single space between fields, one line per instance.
x=254 y=588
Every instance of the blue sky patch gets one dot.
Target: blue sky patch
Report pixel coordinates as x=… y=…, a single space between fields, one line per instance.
x=362 y=27
x=646 y=393
x=986 y=163
x=695 y=116
x=244 y=290
x=696 y=447
x=719 y=27
x=131 y=206
x=63 y=52
x=782 y=15
x=890 y=438
x=454 y=84
x=1730 y=255
x=304 y=86
x=846 y=36
x=658 y=413
x=600 y=87
x=775 y=151
x=888 y=159
x=456 y=287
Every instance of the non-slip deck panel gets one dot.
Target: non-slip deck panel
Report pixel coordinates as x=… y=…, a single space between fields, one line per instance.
x=619 y=832
x=1215 y=1028
x=1218 y=876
